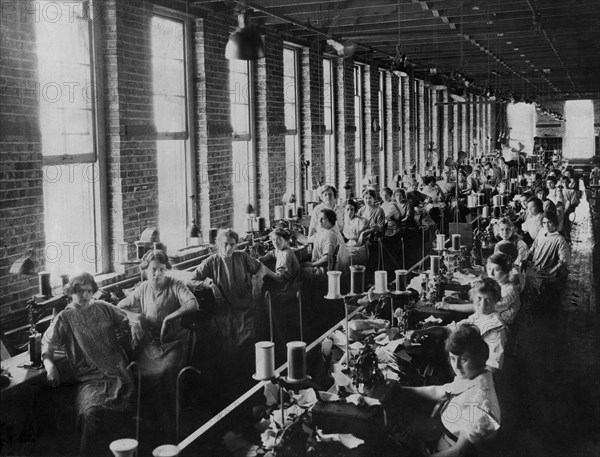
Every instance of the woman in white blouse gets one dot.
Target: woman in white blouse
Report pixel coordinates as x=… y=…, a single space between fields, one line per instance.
x=468 y=406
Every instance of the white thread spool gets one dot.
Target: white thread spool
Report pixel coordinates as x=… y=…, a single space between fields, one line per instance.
x=381 y=282
x=264 y=360
x=441 y=241
x=333 y=285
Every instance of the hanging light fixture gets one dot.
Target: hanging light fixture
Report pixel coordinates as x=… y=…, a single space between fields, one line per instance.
x=435 y=80
x=245 y=43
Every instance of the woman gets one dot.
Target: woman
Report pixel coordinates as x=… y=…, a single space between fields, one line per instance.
x=435 y=197
x=229 y=273
x=328 y=200
x=406 y=208
x=372 y=213
x=468 y=406
x=89 y=331
x=283 y=286
x=485 y=295
x=391 y=212
x=506 y=230
x=325 y=244
x=498 y=268
x=154 y=308
x=287 y=267
x=354 y=225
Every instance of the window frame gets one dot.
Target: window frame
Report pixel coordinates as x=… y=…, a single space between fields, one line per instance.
x=193 y=210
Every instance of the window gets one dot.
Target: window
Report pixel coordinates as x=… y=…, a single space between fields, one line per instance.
x=169 y=87
x=579 y=129
x=329 y=121
x=521 y=121
x=244 y=165
x=358 y=124
x=73 y=209
x=292 y=128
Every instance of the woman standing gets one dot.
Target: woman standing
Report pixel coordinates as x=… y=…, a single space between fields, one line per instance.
x=89 y=331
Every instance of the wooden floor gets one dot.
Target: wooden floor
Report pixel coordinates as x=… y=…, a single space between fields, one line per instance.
x=551 y=404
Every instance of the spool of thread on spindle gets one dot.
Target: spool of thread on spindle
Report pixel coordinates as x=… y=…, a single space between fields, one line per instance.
x=333 y=285
x=496 y=212
x=296 y=358
x=435 y=264
x=381 y=282
x=456 y=242
x=485 y=213
x=401 y=280
x=441 y=241
x=125 y=447
x=44 y=283
x=300 y=212
x=290 y=212
x=264 y=360
x=357 y=279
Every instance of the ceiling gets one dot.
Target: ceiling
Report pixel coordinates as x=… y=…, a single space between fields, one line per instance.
x=539 y=49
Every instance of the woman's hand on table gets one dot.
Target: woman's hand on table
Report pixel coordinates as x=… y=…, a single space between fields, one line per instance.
x=442 y=305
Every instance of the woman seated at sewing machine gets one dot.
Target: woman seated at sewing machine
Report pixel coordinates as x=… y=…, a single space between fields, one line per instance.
x=406 y=209
x=485 y=295
x=155 y=307
x=467 y=407
x=329 y=249
x=328 y=195
x=373 y=213
x=354 y=226
x=89 y=332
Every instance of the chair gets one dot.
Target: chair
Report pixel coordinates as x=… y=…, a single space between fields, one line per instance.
x=195 y=322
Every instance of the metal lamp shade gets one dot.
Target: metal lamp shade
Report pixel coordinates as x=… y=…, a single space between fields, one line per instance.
x=245 y=43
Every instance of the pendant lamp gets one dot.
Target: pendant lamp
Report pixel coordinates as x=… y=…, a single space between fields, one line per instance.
x=434 y=80
x=245 y=43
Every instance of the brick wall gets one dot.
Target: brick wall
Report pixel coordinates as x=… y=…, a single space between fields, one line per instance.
x=21 y=211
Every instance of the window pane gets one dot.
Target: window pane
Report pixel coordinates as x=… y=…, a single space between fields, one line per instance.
x=65 y=80
x=69 y=202
x=579 y=129
x=168 y=72
x=172 y=198
x=242 y=180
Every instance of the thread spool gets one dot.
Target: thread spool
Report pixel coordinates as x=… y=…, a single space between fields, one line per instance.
x=125 y=447
x=502 y=187
x=357 y=279
x=333 y=285
x=497 y=200
x=212 y=235
x=504 y=200
x=480 y=199
x=278 y=212
x=300 y=212
x=381 y=282
x=296 y=358
x=166 y=450
x=485 y=213
x=290 y=212
x=456 y=242
x=435 y=264
x=35 y=349
x=261 y=224
x=496 y=212
x=264 y=360
x=440 y=241
x=472 y=201
x=401 y=280
x=44 y=283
